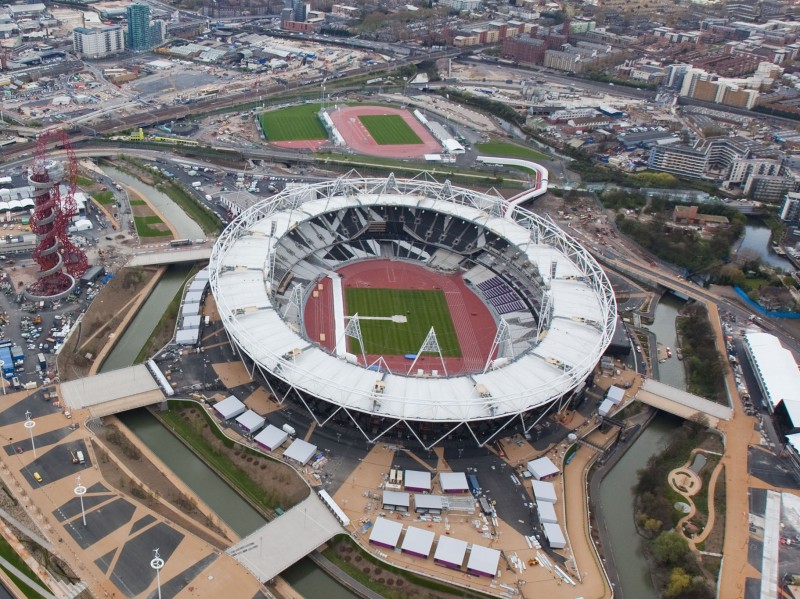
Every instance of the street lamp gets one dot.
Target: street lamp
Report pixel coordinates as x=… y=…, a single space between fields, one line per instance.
x=157 y=563
x=2 y=376
x=29 y=424
x=80 y=491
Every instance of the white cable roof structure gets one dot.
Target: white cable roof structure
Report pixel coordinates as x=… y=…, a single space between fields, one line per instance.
x=286 y=239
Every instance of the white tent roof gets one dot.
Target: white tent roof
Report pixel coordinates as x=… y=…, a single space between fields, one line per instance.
x=427 y=502
x=198 y=286
x=251 y=420
x=190 y=309
x=450 y=550
x=542 y=467
x=191 y=322
x=453 y=481
x=187 y=336
x=615 y=394
x=554 y=535
x=418 y=479
x=396 y=498
x=418 y=540
x=605 y=407
x=300 y=451
x=483 y=559
x=193 y=297
x=544 y=491
x=386 y=532
x=775 y=366
x=547 y=512
x=271 y=437
x=230 y=407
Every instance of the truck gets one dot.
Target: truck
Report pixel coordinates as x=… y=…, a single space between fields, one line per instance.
x=197 y=184
x=288 y=429
x=472 y=483
x=42 y=362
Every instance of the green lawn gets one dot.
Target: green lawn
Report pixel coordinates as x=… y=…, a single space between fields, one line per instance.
x=294 y=123
x=145 y=230
x=424 y=309
x=138 y=203
x=503 y=149
x=389 y=129
x=106 y=198
x=13 y=558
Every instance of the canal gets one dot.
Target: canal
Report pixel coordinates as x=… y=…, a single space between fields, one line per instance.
x=185 y=227
x=617 y=498
x=757 y=239
x=305 y=577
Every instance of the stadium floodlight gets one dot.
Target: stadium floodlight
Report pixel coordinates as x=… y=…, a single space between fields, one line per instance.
x=353 y=330
x=431 y=345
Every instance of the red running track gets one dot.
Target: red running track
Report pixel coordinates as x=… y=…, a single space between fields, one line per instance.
x=475 y=327
x=357 y=137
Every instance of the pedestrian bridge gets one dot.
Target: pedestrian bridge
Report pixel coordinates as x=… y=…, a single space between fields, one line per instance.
x=117 y=391
x=681 y=403
x=170 y=256
x=287 y=539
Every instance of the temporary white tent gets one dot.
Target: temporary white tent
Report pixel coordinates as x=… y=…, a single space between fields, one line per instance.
x=450 y=552
x=606 y=407
x=194 y=297
x=616 y=394
x=271 y=437
x=453 y=482
x=187 y=336
x=395 y=500
x=191 y=309
x=230 y=407
x=250 y=421
x=544 y=491
x=418 y=542
x=431 y=504
x=418 y=480
x=483 y=561
x=542 y=468
x=191 y=322
x=386 y=533
x=300 y=451
x=554 y=535
x=547 y=512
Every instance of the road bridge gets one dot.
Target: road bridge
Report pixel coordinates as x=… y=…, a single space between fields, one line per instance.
x=170 y=256
x=681 y=403
x=115 y=391
x=286 y=540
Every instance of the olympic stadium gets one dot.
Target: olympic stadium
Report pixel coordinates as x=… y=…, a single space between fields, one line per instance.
x=410 y=307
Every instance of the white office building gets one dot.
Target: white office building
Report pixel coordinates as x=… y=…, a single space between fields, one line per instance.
x=97 y=42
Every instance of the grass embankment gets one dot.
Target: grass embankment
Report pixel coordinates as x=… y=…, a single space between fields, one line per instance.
x=106 y=198
x=503 y=149
x=218 y=458
x=342 y=547
x=145 y=229
x=704 y=368
x=8 y=553
x=207 y=220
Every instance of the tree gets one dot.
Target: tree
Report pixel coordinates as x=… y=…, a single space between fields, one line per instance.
x=679 y=583
x=670 y=548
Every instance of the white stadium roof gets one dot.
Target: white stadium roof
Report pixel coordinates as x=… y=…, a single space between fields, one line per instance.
x=581 y=327
x=775 y=366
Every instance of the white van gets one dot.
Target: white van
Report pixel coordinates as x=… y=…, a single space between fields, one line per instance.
x=79 y=455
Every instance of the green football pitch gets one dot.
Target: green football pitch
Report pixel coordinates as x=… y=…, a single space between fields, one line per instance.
x=293 y=124
x=423 y=309
x=389 y=129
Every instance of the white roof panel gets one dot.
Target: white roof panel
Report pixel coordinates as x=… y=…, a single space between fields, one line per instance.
x=418 y=479
x=775 y=366
x=482 y=559
x=230 y=407
x=271 y=437
x=250 y=420
x=396 y=498
x=450 y=550
x=554 y=535
x=453 y=481
x=615 y=394
x=418 y=541
x=547 y=512
x=427 y=502
x=386 y=532
x=187 y=336
x=190 y=309
x=544 y=491
x=542 y=467
x=300 y=451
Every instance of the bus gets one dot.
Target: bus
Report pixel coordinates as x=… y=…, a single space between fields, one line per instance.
x=180 y=242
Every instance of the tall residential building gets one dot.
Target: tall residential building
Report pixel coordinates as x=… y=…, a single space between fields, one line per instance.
x=300 y=11
x=790 y=211
x=139 y=27
x=97 y=42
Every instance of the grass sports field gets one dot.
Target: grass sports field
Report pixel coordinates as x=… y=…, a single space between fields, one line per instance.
x=293 y=124
x=424 y=309
x=389 y=130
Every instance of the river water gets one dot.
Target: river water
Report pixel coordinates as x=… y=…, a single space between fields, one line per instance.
x=617 y=489
x=185 y=227
x=757 y=239
x=141 y=327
